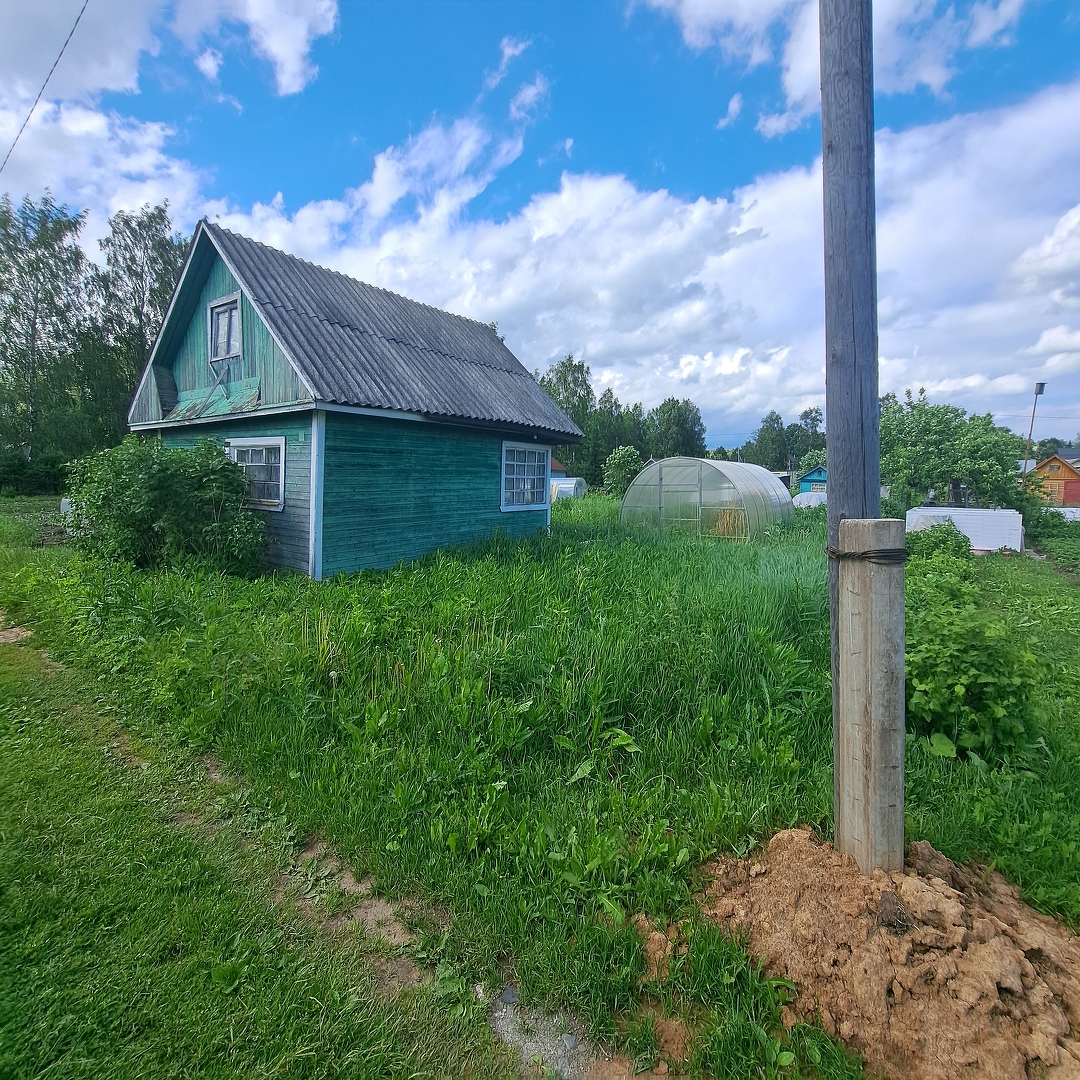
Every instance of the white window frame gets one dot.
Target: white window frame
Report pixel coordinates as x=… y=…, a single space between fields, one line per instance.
x=232 y=445
x=214 y=305
x=546 y=504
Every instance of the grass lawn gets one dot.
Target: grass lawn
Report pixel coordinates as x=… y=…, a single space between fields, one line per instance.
x=548 y=736
x=131 y=947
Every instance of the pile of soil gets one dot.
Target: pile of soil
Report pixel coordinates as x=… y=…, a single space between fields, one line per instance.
x=934 y=973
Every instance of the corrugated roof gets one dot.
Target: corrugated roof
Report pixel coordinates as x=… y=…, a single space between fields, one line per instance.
x=356 y=344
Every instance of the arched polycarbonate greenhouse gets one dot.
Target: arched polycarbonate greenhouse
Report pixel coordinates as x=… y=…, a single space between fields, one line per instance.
x=706 y=498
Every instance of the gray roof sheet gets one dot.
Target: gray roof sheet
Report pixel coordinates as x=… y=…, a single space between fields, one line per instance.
x=356 y=344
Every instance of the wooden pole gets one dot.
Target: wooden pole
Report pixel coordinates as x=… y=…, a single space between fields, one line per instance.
x=870 y=755
x=851 y=401
x=1039 y=388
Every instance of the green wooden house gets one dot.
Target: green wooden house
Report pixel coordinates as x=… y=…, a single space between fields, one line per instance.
x=372 y=428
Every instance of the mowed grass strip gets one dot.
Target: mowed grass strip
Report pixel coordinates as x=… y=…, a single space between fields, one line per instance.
x=131 y=947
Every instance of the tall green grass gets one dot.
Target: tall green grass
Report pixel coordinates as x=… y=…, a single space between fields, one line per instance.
x=548 y=735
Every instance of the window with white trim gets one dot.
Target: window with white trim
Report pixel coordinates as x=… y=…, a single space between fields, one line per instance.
x=225 y=329
x=263 y=461
x=524 y=476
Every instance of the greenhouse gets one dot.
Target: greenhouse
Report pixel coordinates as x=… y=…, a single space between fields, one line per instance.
x=706 y=498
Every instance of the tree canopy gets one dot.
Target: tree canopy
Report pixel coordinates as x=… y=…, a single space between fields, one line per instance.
x=673 y=428
x=927 y=447
x=74 y=336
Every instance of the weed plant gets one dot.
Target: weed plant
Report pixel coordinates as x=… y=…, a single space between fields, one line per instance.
x=548 y=735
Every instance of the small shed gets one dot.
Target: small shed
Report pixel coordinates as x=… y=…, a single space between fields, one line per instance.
x=568 y=487
x=706 y=498
x=814 y=480
x=372 y=428
x=1061 y=480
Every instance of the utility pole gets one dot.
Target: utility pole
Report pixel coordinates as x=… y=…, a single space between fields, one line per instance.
x=1039 y=388
x=866 y=575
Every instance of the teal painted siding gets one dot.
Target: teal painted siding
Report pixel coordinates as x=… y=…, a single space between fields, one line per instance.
x=286 y=529
x=147 y=404
x=394 y=489
x=260 y=356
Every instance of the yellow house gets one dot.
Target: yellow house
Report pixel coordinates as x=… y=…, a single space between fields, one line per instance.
x=1061 y=481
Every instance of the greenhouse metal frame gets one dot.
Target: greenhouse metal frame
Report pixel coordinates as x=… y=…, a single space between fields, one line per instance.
x=703 y=497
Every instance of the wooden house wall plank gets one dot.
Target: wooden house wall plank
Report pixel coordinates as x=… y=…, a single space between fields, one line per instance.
x=260 y=357
x=286 y=529
x=396 y=490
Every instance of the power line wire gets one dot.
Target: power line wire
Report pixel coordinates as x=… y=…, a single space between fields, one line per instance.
x=43 y=85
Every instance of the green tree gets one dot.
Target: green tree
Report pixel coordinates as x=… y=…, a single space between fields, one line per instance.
x=928 y=447
x=804 y=436
x=143 y=258
x=810 y=460
x=1045 y=447
x=768 y=446
x=622 y=465
x=675 y=429
x=569 y=384
x=42 y=307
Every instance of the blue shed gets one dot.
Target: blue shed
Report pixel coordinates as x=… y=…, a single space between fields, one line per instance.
x=372 y=428
x=814 y=480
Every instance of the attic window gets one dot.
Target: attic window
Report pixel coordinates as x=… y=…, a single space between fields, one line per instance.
x=525 y=477
x=1055 y=468
x=263 y=460
x=225 y=329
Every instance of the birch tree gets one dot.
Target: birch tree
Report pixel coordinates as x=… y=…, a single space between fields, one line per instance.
x=41 y=310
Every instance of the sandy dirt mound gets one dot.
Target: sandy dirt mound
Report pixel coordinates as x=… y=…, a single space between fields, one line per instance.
x=931 y=974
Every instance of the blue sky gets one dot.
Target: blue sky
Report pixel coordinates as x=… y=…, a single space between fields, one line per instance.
x=636 y=183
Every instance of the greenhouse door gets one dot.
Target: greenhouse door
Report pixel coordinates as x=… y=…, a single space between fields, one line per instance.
x=680 y=496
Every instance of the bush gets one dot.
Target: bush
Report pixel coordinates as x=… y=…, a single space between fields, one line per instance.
x=946 y=539
x=970 y=676
x=145 y=504
x=43 y=474
x=1046 y=524
x=622 y=465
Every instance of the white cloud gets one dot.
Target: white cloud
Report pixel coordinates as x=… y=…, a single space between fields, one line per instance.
x=734 y=107
x=106 y=49
x=509 y=49
x=99 y=161
x=529 y=98
x=1053 y=264
x=281 y=31
x=915 y=42
x=990 y=22
x=979 y=255
x=209 y=63
x=719 y=300
x=103 y=54
x=1055 y=339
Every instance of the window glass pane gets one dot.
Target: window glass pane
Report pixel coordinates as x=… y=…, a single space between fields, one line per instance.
x=234 y=331
x=224 y=331
x=525 y=479
x=262 y=467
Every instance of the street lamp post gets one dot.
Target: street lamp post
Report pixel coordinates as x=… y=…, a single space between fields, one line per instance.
x=1040 y=387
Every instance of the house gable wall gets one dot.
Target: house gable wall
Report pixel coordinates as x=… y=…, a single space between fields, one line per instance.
x=262 y=377
x=1062 y=485
x=287 y=532
x=395 y=489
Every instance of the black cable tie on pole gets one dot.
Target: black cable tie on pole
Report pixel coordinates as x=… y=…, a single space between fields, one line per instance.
x=882 y=556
